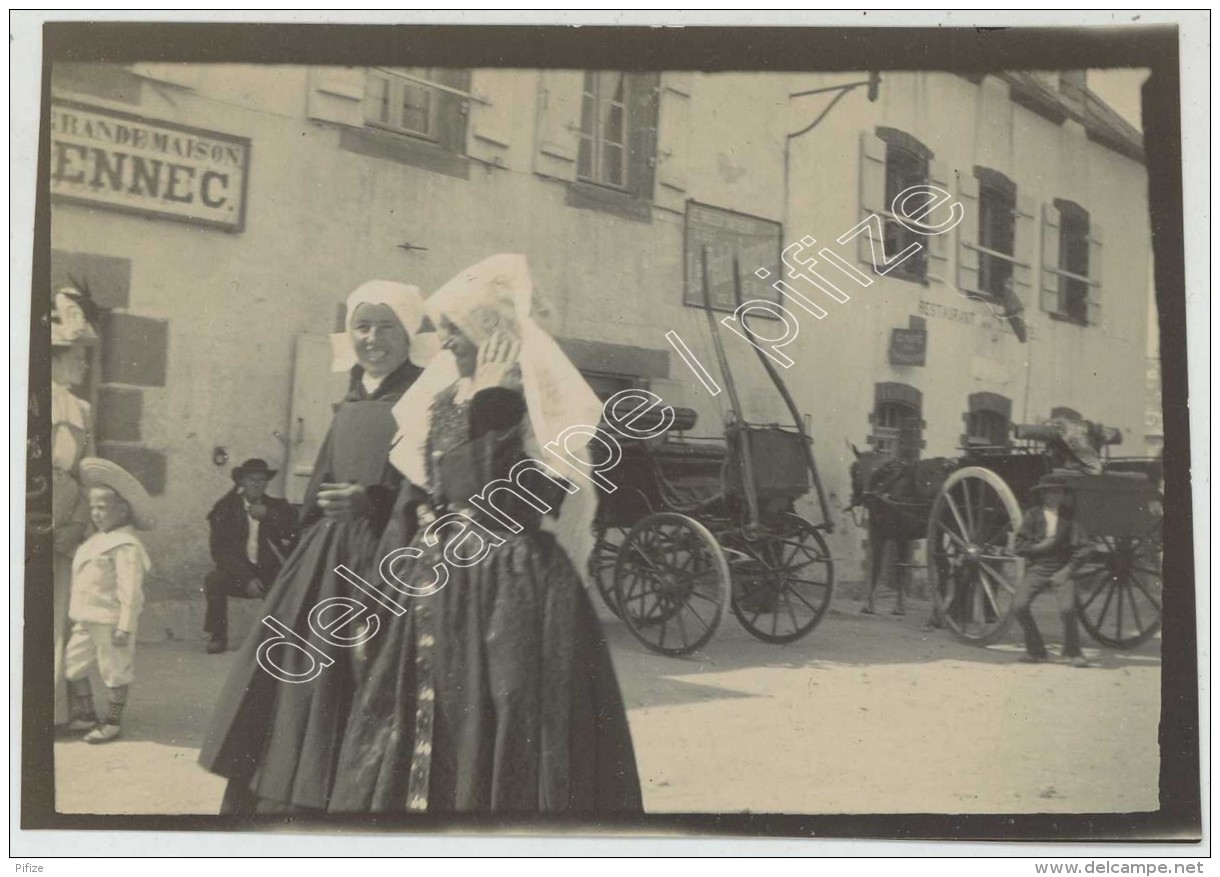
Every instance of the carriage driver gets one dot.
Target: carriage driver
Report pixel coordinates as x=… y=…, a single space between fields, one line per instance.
x=1054 y=547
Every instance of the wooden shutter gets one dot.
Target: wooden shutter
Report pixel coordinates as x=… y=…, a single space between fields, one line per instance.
x=673 y=131
x=315 y=389
x=643 y=95
x=968 y=233
x=559 y=98
x=1023 y=249
x=452 y=109
x=491 y=115
x=938 y=244
x=1050 y=258
x=336 y=94
x=872 y=189
x=1095 y=263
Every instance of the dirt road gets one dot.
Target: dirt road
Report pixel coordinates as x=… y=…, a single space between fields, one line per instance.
x=868 y=714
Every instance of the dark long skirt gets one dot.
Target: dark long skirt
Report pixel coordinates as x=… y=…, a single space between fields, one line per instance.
x=497 y=693
x=278 y=741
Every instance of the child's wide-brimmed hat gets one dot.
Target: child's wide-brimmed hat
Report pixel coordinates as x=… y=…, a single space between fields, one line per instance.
x=96 y=472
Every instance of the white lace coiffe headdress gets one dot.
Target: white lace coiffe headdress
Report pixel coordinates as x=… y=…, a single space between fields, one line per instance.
x=406 y=303
x=498 y=293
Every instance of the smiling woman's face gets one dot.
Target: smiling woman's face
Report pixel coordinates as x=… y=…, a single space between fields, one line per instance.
x=463 y=349
x=379 y=340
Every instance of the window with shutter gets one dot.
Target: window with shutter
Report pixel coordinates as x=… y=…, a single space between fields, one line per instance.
x=1074 y=260
x=907 y=164
x=987 y=429
x=1071 y=265
x=398 y=103
x=428 y=103
x=598 y=131
x=496 y=92
x=896 y=430
x=602 y=156
x=997 y=226
x=897 y=427
x=987 y=419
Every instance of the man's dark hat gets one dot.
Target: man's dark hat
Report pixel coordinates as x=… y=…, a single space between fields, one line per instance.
x=253 y=466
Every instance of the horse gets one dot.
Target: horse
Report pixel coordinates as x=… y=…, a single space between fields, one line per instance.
x=897 y=497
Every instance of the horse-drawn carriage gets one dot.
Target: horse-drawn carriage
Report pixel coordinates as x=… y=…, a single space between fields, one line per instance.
x=971 y=523
x=696 y=525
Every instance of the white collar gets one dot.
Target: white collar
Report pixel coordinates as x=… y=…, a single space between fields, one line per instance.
x=99 y=543
x=371 y=383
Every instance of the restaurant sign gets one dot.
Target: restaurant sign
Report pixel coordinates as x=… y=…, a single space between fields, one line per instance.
x=126 y=162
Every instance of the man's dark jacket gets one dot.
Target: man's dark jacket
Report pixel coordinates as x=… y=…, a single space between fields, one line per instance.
x=231 y=527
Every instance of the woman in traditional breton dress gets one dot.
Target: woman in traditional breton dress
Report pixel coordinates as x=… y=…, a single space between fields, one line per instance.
x=277 y=741
x=71 y=440
x=495 y=693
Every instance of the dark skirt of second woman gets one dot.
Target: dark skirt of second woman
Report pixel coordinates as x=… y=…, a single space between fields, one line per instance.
x=496 y=693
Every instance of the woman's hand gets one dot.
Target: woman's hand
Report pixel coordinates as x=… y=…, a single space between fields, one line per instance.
x=344 y=501
x=497 y=363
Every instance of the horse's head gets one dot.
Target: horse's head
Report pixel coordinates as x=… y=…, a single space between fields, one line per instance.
x=863 y=468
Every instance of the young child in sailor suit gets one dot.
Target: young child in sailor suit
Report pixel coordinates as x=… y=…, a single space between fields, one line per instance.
x=107 y=594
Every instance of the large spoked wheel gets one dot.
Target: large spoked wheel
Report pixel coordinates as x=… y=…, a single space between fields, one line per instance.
x=1118 y=593
x=783 y=580
x=671 y=583
x=603 y=559
x=974 y=574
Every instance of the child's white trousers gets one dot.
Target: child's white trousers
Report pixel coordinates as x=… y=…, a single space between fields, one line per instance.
x=90 y=642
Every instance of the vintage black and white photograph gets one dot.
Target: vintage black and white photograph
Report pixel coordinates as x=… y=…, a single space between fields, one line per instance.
x=425 y=428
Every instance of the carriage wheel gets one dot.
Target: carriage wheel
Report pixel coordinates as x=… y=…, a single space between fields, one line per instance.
x=783 y=580
x=671 y=583
x=608 y=541
x=1118 y=594
x=974 y=574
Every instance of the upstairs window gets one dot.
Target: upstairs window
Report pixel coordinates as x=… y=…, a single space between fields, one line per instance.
x=410 y=115
x=426 y=103
x=394 y=101
x=906 y=165
x=997 y=233
x=604 y=125
x=995 y=240
x=892 y=162
x=1073 y=261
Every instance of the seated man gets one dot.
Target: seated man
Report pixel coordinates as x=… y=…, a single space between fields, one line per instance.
x=252 y=533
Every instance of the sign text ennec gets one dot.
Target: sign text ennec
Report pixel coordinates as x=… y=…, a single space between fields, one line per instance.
x=129 y=163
